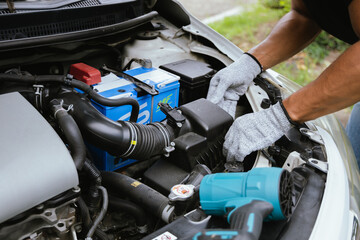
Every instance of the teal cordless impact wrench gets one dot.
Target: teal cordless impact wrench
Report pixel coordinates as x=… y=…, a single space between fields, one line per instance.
x=247 y=199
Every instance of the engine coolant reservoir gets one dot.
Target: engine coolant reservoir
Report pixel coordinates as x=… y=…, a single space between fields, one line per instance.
x=155 y=48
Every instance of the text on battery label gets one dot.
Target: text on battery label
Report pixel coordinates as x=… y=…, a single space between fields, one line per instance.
x=157 y=76
x=110 y=81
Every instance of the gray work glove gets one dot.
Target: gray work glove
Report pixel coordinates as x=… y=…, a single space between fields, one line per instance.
x=230 y=83
x=255 y=131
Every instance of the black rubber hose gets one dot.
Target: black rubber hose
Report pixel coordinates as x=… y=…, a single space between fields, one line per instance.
x=92 y=171
x=107 y=101
x=122 y=139
x=72 y=133
x=84 y=214
x=86 y=220
x=131 y=208
x=76 y=84
x=143 y=195
x=32 y=79
x=102 y=212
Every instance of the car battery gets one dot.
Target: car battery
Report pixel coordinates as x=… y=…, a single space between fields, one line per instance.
x=113 y=86
x=195 y=77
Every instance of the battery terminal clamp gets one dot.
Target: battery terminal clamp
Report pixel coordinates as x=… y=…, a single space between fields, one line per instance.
x=174 y=117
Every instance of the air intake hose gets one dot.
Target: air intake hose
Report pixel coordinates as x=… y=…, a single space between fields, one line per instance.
x=122 y=139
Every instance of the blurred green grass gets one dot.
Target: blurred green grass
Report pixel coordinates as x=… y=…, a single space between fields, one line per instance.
x=251 y=27
x=241 y=27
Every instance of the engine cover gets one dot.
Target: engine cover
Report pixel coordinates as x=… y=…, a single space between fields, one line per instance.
x=35 y=163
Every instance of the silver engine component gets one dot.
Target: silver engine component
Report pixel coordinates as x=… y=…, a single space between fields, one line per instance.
x=35 y=163
x=56 y=220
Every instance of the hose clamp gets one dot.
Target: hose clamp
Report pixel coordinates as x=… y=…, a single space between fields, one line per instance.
x=169 y=146
x=61 y=108
x=132 y=142
x=68 y=79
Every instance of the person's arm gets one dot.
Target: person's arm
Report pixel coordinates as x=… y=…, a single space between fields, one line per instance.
x=291 y=34
x=337 y=87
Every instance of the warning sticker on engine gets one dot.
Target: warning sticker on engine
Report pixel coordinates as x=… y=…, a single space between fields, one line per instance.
x=165 y=236
x=136 y=183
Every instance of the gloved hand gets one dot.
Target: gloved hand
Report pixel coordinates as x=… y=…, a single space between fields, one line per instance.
x=255 y=131
x=230 y=83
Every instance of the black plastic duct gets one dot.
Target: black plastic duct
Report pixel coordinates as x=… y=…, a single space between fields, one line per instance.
x=123 y=139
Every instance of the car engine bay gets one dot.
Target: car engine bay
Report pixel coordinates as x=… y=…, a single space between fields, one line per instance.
x=112 y=138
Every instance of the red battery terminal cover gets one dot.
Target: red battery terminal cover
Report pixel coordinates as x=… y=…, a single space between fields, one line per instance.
x=85 y=73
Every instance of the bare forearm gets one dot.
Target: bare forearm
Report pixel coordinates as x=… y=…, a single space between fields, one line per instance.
x=337 y=87
x=290 y=35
